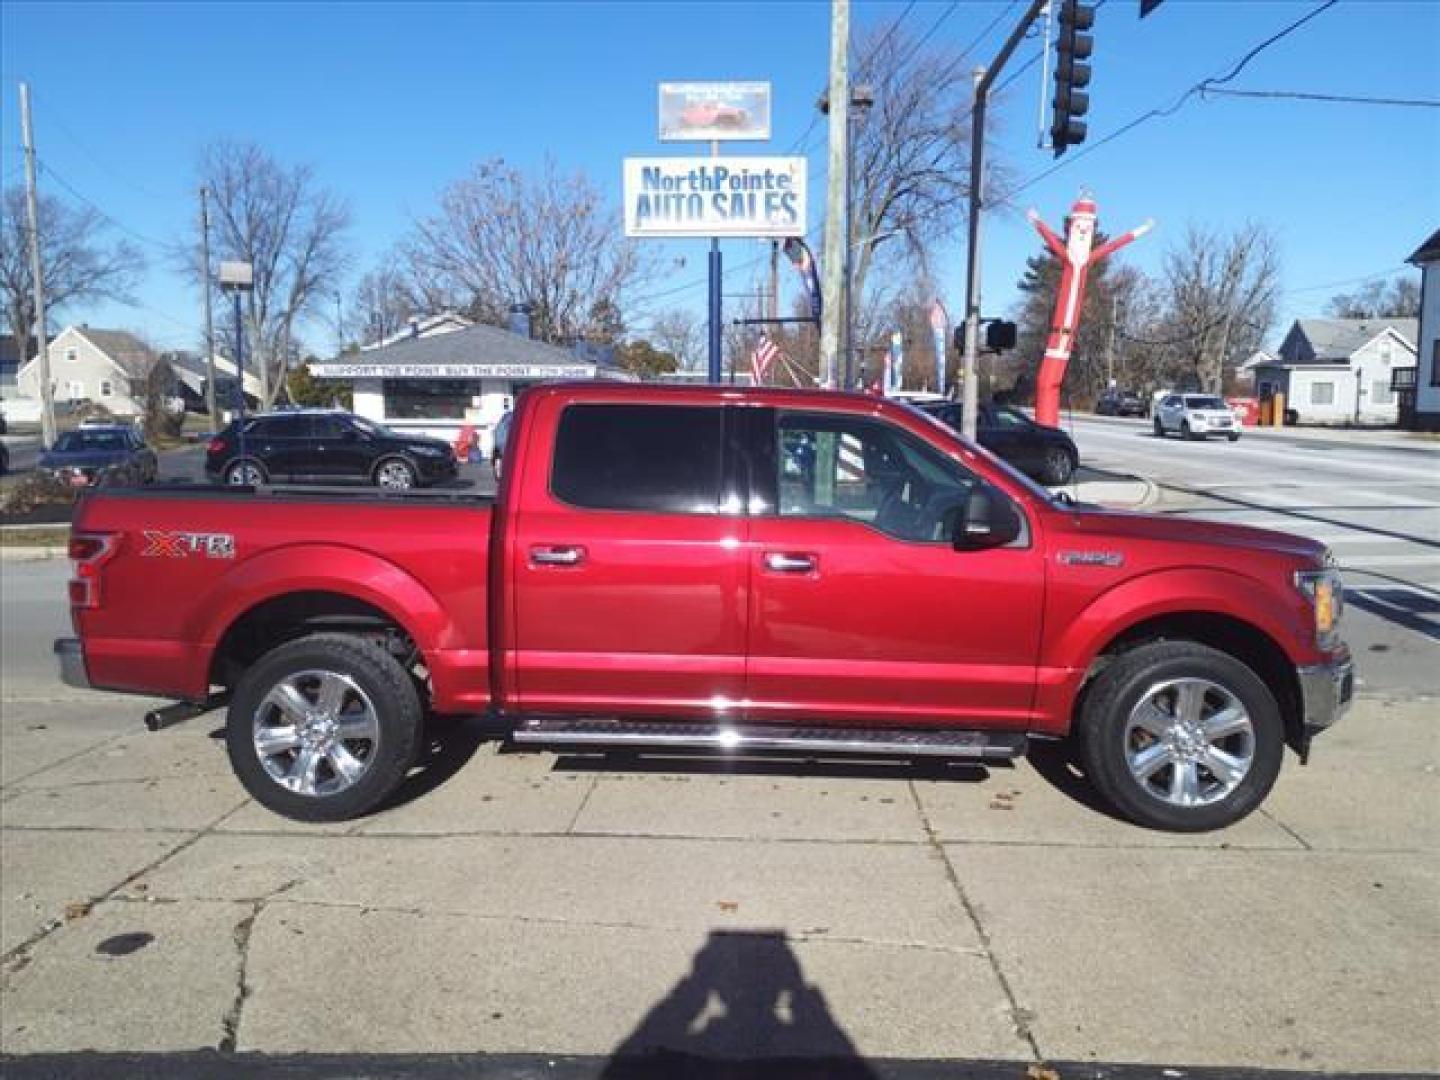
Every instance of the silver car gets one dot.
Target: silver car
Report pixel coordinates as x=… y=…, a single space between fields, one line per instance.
x=1195 y=416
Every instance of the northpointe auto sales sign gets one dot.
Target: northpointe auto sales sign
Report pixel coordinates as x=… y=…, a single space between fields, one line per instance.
x=715 y=196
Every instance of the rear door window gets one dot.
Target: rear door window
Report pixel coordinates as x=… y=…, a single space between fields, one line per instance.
x=666 y=458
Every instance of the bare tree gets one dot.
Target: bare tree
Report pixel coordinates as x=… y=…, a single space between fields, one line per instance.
x=1222 y=296
x=383 y=304
x=911 y=152
x=79 y=266
x=499 y=237
x=1398 y=298
x=291 y=230
x=680 y=334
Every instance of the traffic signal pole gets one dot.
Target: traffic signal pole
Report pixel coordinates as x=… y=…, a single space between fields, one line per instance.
x=970 y=408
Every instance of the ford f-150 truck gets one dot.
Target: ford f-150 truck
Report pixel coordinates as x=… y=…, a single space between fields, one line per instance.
x=768 y=570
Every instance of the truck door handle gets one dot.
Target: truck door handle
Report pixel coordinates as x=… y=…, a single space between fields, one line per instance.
x=557 y=555
x=789 y=562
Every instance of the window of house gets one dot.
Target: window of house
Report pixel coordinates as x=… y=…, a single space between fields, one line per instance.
x=71 y=355
x=75 y=391
x=106 y=388
x=1322 y=393
x=640 y=457
x=429 y=399
x=1381 y=394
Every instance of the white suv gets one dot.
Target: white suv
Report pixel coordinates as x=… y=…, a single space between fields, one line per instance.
x=1194 y=416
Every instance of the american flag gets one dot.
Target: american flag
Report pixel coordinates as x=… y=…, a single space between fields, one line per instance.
x=760 y=360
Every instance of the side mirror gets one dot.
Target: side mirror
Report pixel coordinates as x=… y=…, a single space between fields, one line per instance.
x=987 y=520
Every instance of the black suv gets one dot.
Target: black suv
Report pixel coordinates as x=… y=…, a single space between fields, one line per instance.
x=326 y=446
x=1119 y=403
x=1045 y=453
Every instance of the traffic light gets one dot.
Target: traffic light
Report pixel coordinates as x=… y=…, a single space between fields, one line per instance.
x=1072 y=74
x=1000 y=336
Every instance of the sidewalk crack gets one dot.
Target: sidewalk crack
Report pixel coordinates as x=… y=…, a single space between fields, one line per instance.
x=1019 y=1017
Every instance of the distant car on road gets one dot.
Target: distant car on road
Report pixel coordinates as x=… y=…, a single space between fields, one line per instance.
x=1195 y=416
x=326 y=445
x=1120 y=403
x=112 y=453
x=1045 y=453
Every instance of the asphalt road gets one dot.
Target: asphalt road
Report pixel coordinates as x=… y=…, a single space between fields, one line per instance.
x=1374 y=499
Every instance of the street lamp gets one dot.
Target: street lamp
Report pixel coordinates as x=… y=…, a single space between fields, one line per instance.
x=862 y=99
x=237 y=278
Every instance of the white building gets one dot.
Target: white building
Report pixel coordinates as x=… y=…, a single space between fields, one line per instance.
x=1339 y=371
x=468 y=377
x=1426 y=381
x=108 y=367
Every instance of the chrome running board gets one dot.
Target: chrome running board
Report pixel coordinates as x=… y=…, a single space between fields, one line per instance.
x=670 y=735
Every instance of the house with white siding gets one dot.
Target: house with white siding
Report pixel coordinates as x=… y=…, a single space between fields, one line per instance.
x=1340 y=371
x=1423 y=413
x=108 y=367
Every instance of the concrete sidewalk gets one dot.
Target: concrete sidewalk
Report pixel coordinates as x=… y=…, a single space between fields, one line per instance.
x=860 y=915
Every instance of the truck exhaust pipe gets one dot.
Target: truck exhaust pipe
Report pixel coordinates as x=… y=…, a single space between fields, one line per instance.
x=181 y=711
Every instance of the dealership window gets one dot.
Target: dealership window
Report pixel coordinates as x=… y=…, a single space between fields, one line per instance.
x=429 y=399
x=639 y=457
x=1381 y=394
x=1322 y=393
x=106 y=388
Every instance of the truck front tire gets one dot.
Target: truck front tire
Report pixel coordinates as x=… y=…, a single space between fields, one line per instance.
x=324 y=728
x=1181 y=737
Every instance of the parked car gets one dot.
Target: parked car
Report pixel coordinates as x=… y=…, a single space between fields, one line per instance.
x=1120 y=403
x=1045 y=453
x=100 y=453
x=325 y=445
x=716 y=567
x=1195 y=416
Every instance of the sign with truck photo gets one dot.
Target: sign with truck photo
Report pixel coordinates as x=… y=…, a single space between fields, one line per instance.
x=711 y=196
x=714 y=111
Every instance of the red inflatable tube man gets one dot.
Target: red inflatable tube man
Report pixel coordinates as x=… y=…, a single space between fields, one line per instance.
x=1076 y=258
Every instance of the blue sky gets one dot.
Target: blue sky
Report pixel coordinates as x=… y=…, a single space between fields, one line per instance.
x=390 y=101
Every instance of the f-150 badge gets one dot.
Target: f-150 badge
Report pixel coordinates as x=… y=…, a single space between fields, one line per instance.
x=1091 y=558
x=181 y=545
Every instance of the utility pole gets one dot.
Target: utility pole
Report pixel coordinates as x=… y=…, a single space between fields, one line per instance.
x=774 y=279
x=984 y=78
x=209 y=318
x=1110 y=348
x=837 y=183
x=37 y=276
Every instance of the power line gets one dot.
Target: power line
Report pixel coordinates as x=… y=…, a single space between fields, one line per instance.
x=1179 y=102
x=50 y=116
x=162 y=245
x=1346 y=281
x=1298 y=95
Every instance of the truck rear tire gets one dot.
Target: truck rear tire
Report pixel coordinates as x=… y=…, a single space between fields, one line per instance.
x=1181 y=737
x=324 y=728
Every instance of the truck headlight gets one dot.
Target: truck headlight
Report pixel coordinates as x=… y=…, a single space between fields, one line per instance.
x=1326 y=593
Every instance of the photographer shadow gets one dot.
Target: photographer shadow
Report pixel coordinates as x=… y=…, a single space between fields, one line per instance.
x=744 y=1009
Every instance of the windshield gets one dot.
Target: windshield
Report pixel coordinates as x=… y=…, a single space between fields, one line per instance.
x=90 y=442
x=1193 y=401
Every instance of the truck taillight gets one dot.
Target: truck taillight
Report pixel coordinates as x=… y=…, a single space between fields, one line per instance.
x=89 y=552
x=215 y=446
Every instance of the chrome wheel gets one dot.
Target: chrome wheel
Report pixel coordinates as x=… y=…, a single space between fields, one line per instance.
x=316 y=732
x=395 y=475
x=1189 y=742
x=246 y=474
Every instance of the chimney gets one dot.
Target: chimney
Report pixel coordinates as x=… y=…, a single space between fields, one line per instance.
x=520 y=318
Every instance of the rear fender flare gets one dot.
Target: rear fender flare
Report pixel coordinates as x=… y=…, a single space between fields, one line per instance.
x=322 y=568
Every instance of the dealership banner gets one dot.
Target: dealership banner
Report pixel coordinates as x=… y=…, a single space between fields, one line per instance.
x=715 y=196
x=714 y=111
x=452 y=371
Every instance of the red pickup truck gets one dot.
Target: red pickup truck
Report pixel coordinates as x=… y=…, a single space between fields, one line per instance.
x=749 y=570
